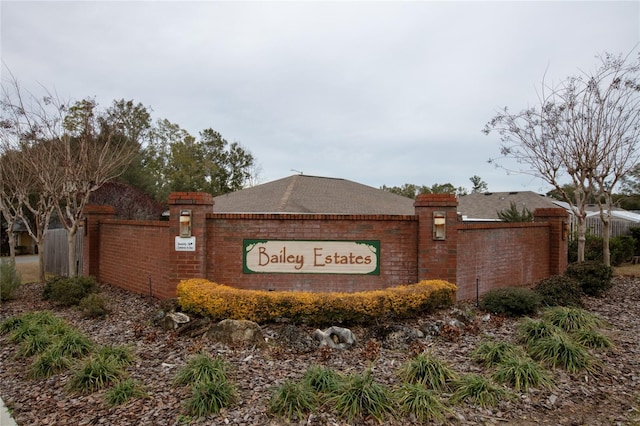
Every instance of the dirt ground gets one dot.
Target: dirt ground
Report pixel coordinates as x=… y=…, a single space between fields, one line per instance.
x=610 y=396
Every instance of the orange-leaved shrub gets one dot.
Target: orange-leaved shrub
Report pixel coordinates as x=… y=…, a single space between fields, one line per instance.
x=218 y=301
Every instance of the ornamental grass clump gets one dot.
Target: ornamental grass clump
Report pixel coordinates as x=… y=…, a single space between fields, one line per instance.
x=560 y=350
x=93 y=374
x=490 y=353
x=478 y=390
x=201 y=368
x=293 y=399
x=572 y=319
x=531 y=330
x=123 y=391
x=521 y=373
x=592 y=339
x=209 y=397
x=321 y=379
x=47 y=364
x=359 y=396
x=427 y=370
x=415 y=399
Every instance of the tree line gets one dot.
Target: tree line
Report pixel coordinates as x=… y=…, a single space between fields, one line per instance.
x=55 y=156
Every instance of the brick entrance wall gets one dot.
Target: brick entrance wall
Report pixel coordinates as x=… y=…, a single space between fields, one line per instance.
x=141 y=256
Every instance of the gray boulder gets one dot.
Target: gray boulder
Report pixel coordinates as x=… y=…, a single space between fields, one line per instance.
x=237 y=332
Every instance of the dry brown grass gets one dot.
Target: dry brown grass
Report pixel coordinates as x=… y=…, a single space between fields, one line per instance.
x=627 y=270
x=28 y=272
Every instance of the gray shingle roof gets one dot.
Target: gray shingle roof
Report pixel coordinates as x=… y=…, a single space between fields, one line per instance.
x=313 y=194
x=487 y=205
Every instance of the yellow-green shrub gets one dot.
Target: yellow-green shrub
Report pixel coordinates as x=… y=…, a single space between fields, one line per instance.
x=219 y=301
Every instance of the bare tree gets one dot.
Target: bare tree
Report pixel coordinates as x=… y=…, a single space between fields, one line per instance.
x=608 y=108
x=579 y=130
x=30 y=128
x=90 y=154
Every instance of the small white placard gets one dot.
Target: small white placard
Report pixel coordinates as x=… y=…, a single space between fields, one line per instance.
x=186 y=244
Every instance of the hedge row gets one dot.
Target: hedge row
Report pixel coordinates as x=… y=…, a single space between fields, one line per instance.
x=203 y=297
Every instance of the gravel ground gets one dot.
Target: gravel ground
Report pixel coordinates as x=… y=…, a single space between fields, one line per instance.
x=608 y=397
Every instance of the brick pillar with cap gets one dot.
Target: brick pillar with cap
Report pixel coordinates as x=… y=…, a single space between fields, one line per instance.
x=558 y=220
x=189 y=254
x=437 y=236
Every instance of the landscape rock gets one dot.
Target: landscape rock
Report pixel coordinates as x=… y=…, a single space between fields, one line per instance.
x=174 y=320
x=237 y=332
x=296 y=339
x=335 y=337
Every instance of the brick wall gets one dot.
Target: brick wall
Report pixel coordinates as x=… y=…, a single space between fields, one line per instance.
x=500 y=255
x=398 y=245
x=134 y=254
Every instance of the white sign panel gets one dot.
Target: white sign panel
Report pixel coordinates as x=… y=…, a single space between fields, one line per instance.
x=185 y=243
x=311 y=257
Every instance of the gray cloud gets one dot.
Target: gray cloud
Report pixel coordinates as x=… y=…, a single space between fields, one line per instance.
x=380 y=93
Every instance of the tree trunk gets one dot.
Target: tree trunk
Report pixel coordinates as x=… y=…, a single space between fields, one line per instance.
x=12 y=242
x=606 y=227
x=71 y=240
x=41 y=272
x=582 y=236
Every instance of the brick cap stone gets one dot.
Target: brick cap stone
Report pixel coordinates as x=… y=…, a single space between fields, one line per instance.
x=198 y=198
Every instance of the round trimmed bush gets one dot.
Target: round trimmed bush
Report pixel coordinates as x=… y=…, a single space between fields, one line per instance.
x=511 y=301
x=559 y=290
x=593 y=277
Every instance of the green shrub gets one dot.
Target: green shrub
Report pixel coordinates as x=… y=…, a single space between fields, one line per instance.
x=593 y=277
x=69 y=291
x=10 y=279
x=572 y=319
x=521 y=373
x=359 y=396
x=292 y=399
x=94 y=305
x=592 y=248
x=510 y=301
x=478 y=390
x=415 y=400
x=491 y=353
x=123 y=391
x=621 y=249
x=427 y=370
x=559 y=290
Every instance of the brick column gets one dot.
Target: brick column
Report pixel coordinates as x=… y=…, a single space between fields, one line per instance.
x=93 y=216
x=188 y=264
x=437 y=259
x=558 y=220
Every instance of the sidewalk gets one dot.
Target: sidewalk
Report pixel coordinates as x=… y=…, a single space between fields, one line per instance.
x=5 y=417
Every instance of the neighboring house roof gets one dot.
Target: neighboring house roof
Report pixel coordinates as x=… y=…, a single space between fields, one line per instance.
x=485 y=206
x=313 y=195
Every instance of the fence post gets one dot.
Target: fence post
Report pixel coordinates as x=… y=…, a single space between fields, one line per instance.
x=93 y=216
x=437 y=236
x=558 y=220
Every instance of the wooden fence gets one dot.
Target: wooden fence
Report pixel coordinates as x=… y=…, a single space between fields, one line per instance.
x=56 y=252
x=617 y=227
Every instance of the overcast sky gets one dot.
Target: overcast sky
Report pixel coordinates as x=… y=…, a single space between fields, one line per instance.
x=381 y=93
